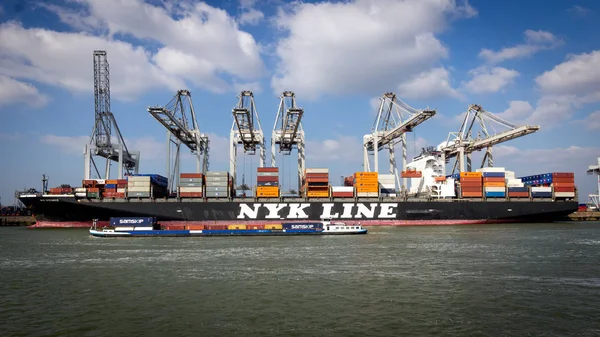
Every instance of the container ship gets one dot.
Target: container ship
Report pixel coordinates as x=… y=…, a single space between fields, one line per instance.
x=484 y=196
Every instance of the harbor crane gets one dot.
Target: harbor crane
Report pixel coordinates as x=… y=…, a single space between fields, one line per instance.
x=461 y=143
x=288 y=132
x=106 y=129
x=245 y=131
x=595 y=198
x=179 y=118
x=394 y=119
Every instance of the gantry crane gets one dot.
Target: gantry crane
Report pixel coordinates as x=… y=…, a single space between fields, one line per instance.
x=393 y=120
x=179 y=118
x=101 y=141
x=288 y=132
x=245 y=130
x=461 y=143
x=595 y=198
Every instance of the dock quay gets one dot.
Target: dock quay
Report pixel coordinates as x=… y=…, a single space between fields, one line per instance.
x=16 y=220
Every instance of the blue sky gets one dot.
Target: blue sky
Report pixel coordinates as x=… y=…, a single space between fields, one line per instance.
x=533 y=62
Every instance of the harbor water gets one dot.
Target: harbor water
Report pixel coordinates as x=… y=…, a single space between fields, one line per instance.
x=490 y=280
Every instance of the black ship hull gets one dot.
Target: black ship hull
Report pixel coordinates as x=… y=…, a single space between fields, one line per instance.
x=68 y=211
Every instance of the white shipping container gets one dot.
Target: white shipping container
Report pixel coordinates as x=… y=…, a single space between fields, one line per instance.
x=121 y=190
x=82 y=195
x=138 y=189
x=190 y=189
x=80 y=189
x=513 y=180
x=139 y=184
x=140 y=178
x=317 y=170
x=509 y=174
x=387 y=186
x=367 y=194
x=494 y=189
x=342 y=189
x=389 y=195
x=491 y=169
x=564 y=194
x=541 y=189
x=515 y=185
x=386 y=177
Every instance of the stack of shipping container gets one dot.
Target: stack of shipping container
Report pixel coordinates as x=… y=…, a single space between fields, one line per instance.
x=316 y=183
x=218 y=184
x=563 y=184
x=366 y=184
x=387 y=185
x=147 y=186
x=342 y=191
x=471 y=185
x=114 y=189
x=93 y=188
x=267 y=182
x=542 y=185
x=515 y=186
x=494 y=182
x=60 y=190
x=191 y=185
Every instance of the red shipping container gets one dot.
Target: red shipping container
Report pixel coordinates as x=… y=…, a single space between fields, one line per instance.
x=492 y=179
x=93 y=190
x=216 y=227
x=190 y=194
x=121 y=181
x=122 y=185
x=190 y=175
x=518 y=194
x=563 y=175
x=555 y=184
x=194 y=227
x=266 y=179
x=90 y=182
x=471 y=188
x=472 y=194
x=317 y=180
x=342 y=194
x=110 y=190
x=564 y=188
x=317 y=175
x=267 y=169
x=119 y=195
x=175 y=227
x=563 y=180
x=255 y=226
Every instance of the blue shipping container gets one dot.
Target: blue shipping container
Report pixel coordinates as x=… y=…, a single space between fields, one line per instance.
x=133 y=222
x=495 y=194
x=302 y=225
x=518 y=189
x=156 y=179
x=493 y=174
x=110 y=185
x=387 y=190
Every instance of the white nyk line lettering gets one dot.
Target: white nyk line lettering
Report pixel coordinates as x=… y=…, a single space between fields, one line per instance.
x=297 y=211
x=274 y=210
x=246 y=211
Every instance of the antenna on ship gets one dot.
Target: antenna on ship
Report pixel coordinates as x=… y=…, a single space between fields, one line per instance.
x=246 y=131
x=461 y=143
x=179 y=118
x=44 y=183
x=394 y=119
x=288 y=132
x=101 y=141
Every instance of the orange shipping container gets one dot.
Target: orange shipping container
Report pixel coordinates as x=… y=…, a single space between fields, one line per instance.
x=472 y=194
x=368 y=175
x=493 y=180
x=470 y=174
x=555 y=184
x=564 y=189
x=190 y=175
x=494 y=184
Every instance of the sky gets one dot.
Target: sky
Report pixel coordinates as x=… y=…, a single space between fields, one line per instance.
x=530 y=63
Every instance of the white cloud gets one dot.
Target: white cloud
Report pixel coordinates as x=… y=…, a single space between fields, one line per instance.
x=591 y=122
x=535 y=41
x=365 y=45
x=432 y=83
x=342 y=149
x=580 y=10
x=180 y=32
x=516 y=111
x=251 y=17
x=578 y=75
x=67 y=144
x=490 y=80
x=16 y=92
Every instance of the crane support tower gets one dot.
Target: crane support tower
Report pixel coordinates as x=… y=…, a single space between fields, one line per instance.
x=461 y=143
x=394 y=119
x=106 y=129
x=288 y=132
x=245 y=131
x=179 y=118
x=595 y=198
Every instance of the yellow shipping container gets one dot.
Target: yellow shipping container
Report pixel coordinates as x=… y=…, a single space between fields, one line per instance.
x=317 y=194
x=267 y=195
x=274 y=226
x=111 y=181
x=369 y=175
x=237 y=226
x=471 y=175
x=374 y=185
x=366 y=189
x=267 y=189
x=493 y=184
